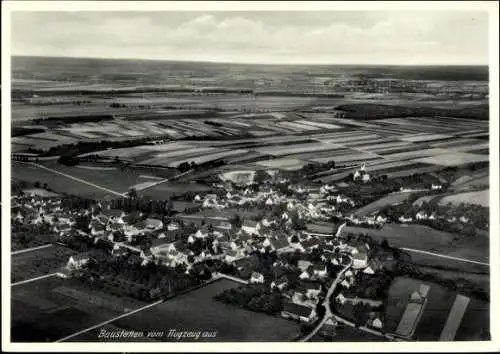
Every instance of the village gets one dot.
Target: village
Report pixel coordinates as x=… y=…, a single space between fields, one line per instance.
x=275 y=250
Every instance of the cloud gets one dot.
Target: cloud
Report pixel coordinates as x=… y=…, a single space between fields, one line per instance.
x=353 y=37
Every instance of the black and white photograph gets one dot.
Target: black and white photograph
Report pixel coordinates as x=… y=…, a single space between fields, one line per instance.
x=317 y=176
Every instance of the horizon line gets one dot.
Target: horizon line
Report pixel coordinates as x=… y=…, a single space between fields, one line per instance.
x=246 y=63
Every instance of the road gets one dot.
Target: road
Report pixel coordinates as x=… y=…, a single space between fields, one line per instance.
x=152 y=184
x=78 y=179
x=229 y=277
x=326 y=302
x=34 y=279
x=444 y=256
x=30 y=249
x=110 y=320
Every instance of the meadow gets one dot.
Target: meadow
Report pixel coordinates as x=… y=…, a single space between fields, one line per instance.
x=52 y=308
x=198 y=311
x=422 y=237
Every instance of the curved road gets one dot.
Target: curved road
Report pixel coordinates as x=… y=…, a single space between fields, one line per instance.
x=326 y=302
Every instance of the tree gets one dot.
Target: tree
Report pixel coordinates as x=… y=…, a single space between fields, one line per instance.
x=132 y=193
x=236 y=221
x=37 y=184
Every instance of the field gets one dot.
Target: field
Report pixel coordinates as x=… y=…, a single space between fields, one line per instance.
x=168 y=189
x=436 y=311
x=454 y=159
x=421 y=237
x=198 y=311
x=478 y=197
x=391 y=199
x=36 y=263
x=56 y=182
x=40 y=192
x=49 y=309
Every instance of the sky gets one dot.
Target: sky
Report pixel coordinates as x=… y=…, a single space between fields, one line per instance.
x=268 y=37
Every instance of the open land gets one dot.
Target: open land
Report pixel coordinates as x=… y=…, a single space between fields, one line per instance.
x=128 y=130
x=230 y=322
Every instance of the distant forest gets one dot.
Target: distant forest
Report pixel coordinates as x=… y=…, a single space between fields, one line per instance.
x=367 y=111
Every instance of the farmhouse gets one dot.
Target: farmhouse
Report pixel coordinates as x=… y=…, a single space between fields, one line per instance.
x=319 y=270
x=312 y=289
x=303 y=265
x=281 y=283
x=96 y=228
x=114 y=215
x=298 y=312
x=360 y=260
x=173 y=226
x=256 y=278
x=153 y=224
x=251 y=227
x=279 y=243
x=78 y=261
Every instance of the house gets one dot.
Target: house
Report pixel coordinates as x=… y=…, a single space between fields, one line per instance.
x=310 y=243
x=96 y=228
x=159 y=244
x=77 y=261
x=130 y=231
x=201 y=233
x=251 y=227
x=374 y=265
x=280 y=284
x=63 y=229
x=360 y=260
x=19 y=216
x=298 y=312
x=404 y=219
x=340 y=299
x=114 y=215
x=327 y=188
x=345 y=284
x=380 y=219
x=197 y=198
x=153 y=224
x=464 y=219
x=303 y=265
x=231 y=256
x=306 y=274
x=146 y=256
x=224 y=225
x=265 y=222
x=269 y=201
x=256 y=278
x=319 y=270
x=311 y=289
x=119 y=251
x=421 y=215
x=376 y=323
x=173 y=226
x=436 y=186
x=279 y=243
x=132 y=217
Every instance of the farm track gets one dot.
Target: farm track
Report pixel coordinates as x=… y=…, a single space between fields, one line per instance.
x=78 y=179
x=440 y=255
x=30 y=249
x=110 y=320
x=34 y=279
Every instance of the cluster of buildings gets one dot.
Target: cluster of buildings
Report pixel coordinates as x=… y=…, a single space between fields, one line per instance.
x=35 y=211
